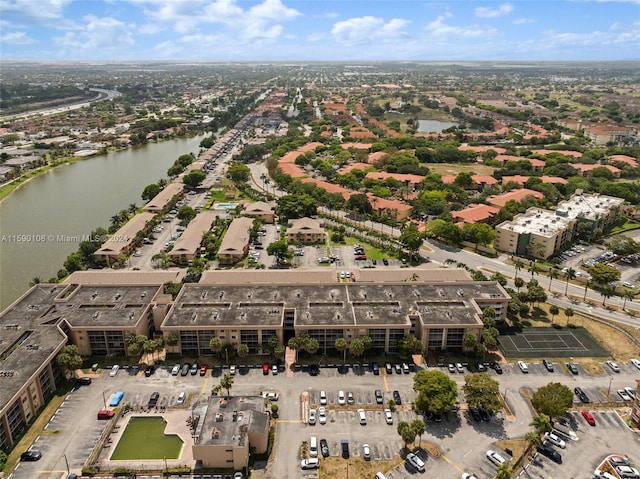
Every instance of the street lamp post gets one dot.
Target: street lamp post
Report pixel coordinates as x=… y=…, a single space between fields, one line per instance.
x=66 y=462
x=609 y=388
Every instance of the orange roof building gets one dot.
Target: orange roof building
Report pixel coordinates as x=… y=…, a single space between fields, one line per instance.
x=521 y=180
x=475 y=214
x=515 y=195
x=629 y=160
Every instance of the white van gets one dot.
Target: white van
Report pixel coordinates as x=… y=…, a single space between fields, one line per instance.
x=379 y=475
x=313 y=446
x=181 y=398
x=362 y=417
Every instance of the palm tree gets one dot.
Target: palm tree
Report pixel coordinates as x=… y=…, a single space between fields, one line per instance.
x=553 y=274
x=227 y=382
x=518 y=283
x=242 y=351
x=132 y=208
x=215 y=344
x=419 y=428
x=534 y=269
x=606 y=292
x=568 y=312
x=504 y=471
x=518 y=264
x=533 y=439
x=627 y=294
x=171 y=339
x=553 y=309
x=541 y=423
x=587 y=285
x=569 y=274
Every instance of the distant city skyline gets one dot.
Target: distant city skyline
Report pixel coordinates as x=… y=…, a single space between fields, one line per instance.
x=314 y=30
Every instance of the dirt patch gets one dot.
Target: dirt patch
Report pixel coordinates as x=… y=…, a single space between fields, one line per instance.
x=516 y=446
x=454 y=169
x=432 y=449
x=334 y=467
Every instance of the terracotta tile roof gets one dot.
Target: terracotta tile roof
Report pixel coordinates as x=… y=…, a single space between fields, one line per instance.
x=357 y=146
x=482 y=149
x=629 y=160
x=587 y=168
x=478 y=179
x=475 y=213
x=385 y=204
x=354 y=166
x=330 y=187
x=521 y=180
x=514 y=195
x=534 y=162
x=359 y=132
x=291 y=169
x=376 y=157
x=574 y=154
x=401 y=177
x=310 y=146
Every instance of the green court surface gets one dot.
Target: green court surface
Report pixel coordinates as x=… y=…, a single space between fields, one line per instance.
x=550 y=342
x=144 y=438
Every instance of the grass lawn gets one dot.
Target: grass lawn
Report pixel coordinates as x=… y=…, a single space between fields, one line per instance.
x=144 y=438
x=370 y=251
x=336 y=467
x=628 y=226
x=454 y=169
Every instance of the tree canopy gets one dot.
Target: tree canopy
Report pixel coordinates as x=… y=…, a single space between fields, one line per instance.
x=437 y=393
x=480 y=389
x=554 y=399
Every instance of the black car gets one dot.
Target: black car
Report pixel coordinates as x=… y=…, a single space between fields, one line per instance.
x=573 y=368
x=83 y=381
x=324 y=448
x=396 y=397
x=581 y=395
x=548 y=365
x=314 y=369
x=547 y=450
x=185 y=369
x=345 y=448
x=153 y=400
x=194 y=369
x=496 y=367
x=149 y=371
x=30 y=456
x=484 y=414
x=385 y=261
x=562 y=420
x=375 y=368
x=379 y=398
x=475 y=414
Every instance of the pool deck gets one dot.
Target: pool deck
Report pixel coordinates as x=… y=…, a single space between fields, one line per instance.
x=176 y=424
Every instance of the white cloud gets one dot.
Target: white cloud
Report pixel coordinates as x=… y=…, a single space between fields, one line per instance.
x=168 y=49
x=99 y=37
x=438 y=28
x=36 y=12
x=16 y=38
x=363 y=30
x=486 y=12
x=315 y=37
x=522 y=21
x=327 y=15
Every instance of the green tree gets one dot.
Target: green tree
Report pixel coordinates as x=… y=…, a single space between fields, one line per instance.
x=135 y=343
x=419 y=428
x=569 y=274
x=226 y=382
x=437 y=393
x=533 y=439
x=411 y=239
x=603 y=273
x=553 y=309
x=480 y=389
x=518 y=283
x=279 y=249
x=186 y=213
x=215 y=344
x=554 y=399
x=408 y=345
x=295 y=343
x=3 y=459
x=296 y=206
x=568 y=312
x=342 y=345
x=356 y=347
x=541 y=424
x=553 y=274
x=69 y=359
x=242 y=351
x=194 y=178
x=171 y=339
x=504 y=471
x=406 y=432
x=150 y=191
x=312 y=345
x=239 y=173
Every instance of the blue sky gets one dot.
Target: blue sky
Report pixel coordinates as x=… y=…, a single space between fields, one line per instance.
x=320 y=30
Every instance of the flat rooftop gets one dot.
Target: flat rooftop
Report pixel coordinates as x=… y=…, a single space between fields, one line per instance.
x=539 y=222
x=217 y=425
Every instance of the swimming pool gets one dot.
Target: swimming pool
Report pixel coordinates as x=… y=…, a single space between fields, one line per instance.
x=226 y=206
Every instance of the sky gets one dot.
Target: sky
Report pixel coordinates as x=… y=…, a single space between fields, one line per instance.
x=319 y=30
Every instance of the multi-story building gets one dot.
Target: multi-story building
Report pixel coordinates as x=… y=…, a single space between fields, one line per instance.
x=543 y=233
x=635 y=407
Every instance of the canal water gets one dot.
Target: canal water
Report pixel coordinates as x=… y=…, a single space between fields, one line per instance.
x=42 y=222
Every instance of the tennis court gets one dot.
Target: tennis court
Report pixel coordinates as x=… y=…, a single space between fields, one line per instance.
x=538 y=342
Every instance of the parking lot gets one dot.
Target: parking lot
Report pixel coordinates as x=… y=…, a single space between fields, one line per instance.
x=462 y=441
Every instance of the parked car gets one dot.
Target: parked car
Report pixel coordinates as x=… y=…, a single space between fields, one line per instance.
x=466 y=475
x=182 y=397
x=623 y=394
x=84 y=381
x=324 y=448
x=388 y=416
x=581 y=395
x=495 y=458
x=344 y=444
x=635 y=362
x=350 y=398
x=415 y=461
x=323 y=398
x=176 y=370
x=460 y=368
x=627 y=472
x=366 y=452
x=114 y=370
x=573 y=368
x=232 y=370
x=554 y=439
x=105 y=414
x=153 y=399
x=631 y=392
x=312 y=417
x=396 y=398
x=185 y=369
x=614 y=366
x=588 y=417
x=452 y=368
x=484 y=414
x=28 y=456
x=375 y=368
x=548 y=451
x=322 y=415
x=265 y=369
x=548 y=364
x=341 y=398
x=149 y=370
x=475 y=414
x=497 y=368
x=523 y=367
x=388 y=369
x=194 y=369
x=311 y=463
x=379 y=397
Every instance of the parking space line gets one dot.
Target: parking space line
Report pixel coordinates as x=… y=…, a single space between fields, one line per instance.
x=204 y=385
x=384 y=379
x=452 y=463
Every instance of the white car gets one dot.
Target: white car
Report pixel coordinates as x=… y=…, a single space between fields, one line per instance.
x=366 y=452
x=631 y=392
x=323 y=398
x=496 y=458
x=635 y=362
x=114 y=370
x=322 y=415
x=452 y=368
x=312 y=417
x=523 y=367
x=311 y=463
x=388 y=416
x=614 y=367
x=415 y=461
x=270 y=395
x=459 y=368
x=623 y=394
x=341 y=398
x=466 y=475
x=554 y=439
x=232 y=370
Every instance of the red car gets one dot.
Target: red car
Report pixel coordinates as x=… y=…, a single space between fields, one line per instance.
x=265 y=369
x=588 y=417
x=203 y=370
